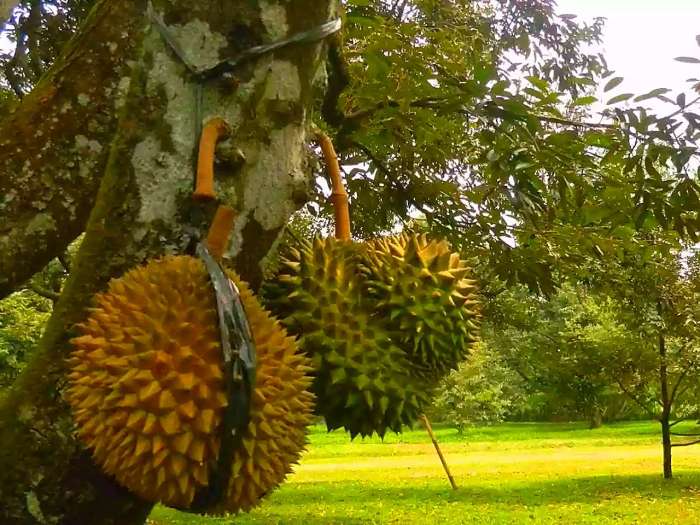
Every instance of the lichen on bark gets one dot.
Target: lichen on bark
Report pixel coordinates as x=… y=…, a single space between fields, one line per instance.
x=143 y=210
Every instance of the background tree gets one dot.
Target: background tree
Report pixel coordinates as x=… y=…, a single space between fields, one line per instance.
x=483 y=390
x=626 y=326
x=656 y=290
x=563 y=348
x=22 y=319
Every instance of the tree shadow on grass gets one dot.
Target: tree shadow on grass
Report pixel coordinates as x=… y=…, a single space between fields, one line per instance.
x=299 y=503
x=542 y=492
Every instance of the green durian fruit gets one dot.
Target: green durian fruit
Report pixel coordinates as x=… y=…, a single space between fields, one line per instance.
x=363 y=380
x=428 y=297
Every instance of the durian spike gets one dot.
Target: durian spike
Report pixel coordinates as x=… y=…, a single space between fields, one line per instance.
x=339 y=196
x=214 y=130
x=220 y=231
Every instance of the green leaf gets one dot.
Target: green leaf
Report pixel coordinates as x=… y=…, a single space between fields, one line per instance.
x=535 y=93
x=538 y=82
x=620 y=98
x=585 y=101
x=651 y=169
x=613 y=83
x=362 y=381
x=653 y=93
x=338 y=375
x=523 y=165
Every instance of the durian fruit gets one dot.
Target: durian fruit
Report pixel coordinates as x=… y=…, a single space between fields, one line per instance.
x=363 y=380
x=427 y=295
x=147 y=388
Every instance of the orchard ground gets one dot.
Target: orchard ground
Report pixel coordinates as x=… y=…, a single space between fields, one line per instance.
x=508 y=473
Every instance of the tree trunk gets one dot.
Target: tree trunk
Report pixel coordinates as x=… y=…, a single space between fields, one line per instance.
x=143 y=210
x=666 y=441
x=596 y=417
x=666 y=409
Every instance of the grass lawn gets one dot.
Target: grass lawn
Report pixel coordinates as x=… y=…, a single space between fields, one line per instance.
x=509 y=473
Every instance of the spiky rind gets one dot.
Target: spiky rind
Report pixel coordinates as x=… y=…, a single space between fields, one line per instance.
x=428 y=297
x=147 y=388
x=363 y=380
x=282 y=409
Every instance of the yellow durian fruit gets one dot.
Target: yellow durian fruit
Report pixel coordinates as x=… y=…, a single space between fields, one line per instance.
x=147 y=388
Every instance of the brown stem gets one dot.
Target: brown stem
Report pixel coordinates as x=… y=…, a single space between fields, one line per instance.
x=213 y=131
x=339 y=196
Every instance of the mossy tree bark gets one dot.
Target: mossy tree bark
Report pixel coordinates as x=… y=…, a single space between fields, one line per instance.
x=54 y=145
x=143 y=210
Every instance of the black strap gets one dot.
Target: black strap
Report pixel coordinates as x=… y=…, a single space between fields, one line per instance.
x=312 y=35
x=239 y=356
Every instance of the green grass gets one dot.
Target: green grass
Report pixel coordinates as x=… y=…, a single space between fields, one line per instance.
x=509 y=473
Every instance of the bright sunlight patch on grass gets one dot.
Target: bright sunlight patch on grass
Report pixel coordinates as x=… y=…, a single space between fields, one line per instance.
x=509 y=473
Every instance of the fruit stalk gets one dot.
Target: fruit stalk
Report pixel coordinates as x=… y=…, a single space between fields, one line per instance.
x=339 y=196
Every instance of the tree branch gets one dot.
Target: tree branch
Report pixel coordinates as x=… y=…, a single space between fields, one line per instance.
x=686 y=444
x=55 y=145
x=674 y=390
x=32 y=27
x=373 y=158
x=678 y=421
x=635 y=398
x=43 y=292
